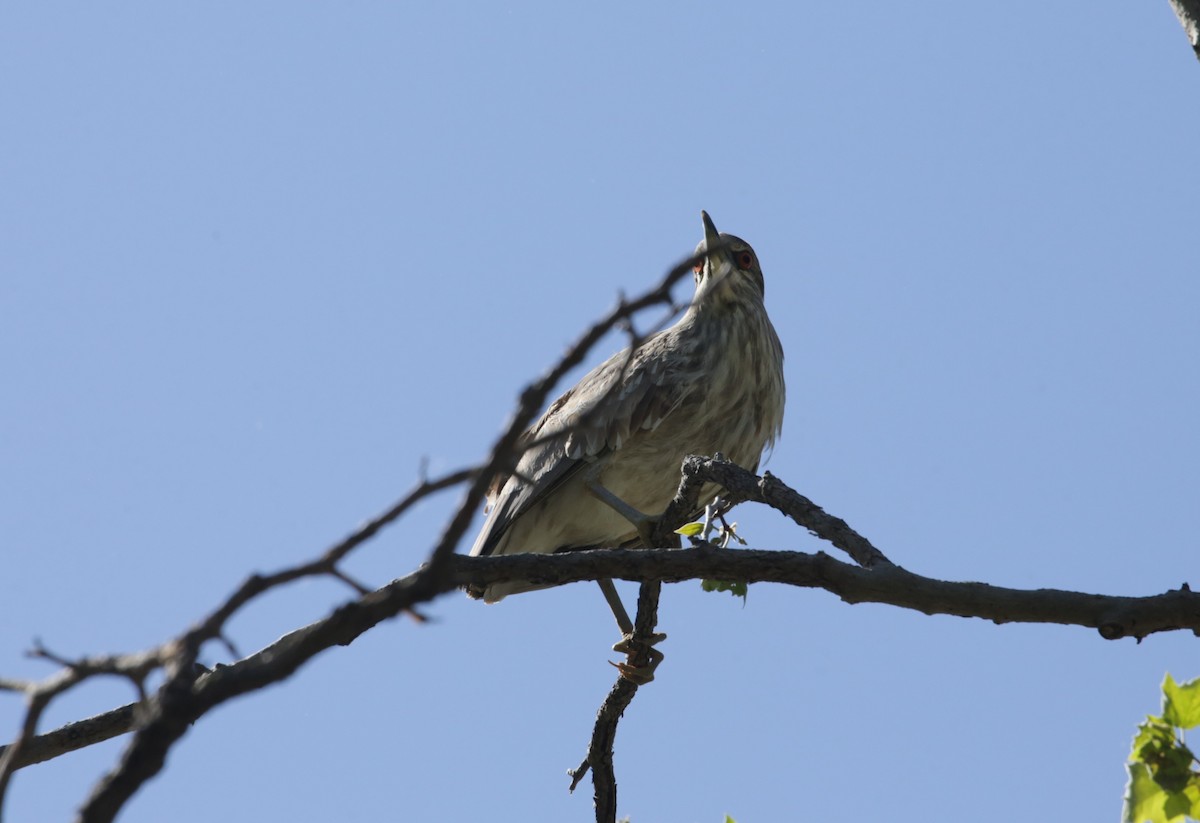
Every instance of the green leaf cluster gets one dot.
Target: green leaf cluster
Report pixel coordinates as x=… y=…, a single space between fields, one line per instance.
x=1164 y=784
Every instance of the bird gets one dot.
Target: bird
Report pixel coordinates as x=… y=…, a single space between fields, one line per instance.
x=711 y=383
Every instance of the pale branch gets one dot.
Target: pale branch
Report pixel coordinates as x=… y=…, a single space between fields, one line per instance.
x=1188 y=12
x=74 y=736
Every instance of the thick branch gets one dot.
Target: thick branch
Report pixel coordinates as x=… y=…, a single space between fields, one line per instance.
x=1113 y=616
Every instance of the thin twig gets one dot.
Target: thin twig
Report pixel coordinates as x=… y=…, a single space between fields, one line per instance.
x=599 y=758
x=744 y=486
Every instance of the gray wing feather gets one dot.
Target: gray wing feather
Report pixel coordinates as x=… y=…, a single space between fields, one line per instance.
x=588 y=421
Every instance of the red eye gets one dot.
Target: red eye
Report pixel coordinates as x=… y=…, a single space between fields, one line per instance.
x=699 y=267
x=745 y=260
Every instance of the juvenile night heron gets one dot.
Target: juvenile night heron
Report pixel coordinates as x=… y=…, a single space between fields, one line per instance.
x=713 y=382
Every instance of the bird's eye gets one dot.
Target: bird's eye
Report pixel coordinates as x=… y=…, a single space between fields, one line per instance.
x=699 y=267
x=745 y=259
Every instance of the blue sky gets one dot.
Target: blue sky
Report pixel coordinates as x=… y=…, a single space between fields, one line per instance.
x=261 y=260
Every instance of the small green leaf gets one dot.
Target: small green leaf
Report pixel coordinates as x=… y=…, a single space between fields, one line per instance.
x=1144 y=799
x=690 y=530
x=1181 y=704
x=738 y=588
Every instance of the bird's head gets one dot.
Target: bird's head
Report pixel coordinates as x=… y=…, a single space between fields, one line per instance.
x=730 y=272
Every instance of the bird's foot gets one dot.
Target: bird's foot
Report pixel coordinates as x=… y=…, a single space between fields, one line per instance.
x=641 y=658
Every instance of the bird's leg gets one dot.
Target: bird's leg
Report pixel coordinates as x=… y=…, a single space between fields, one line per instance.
x=628 y=645
x=644 y=523
x=618 y=608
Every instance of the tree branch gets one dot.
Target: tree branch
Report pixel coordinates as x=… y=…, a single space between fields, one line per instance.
x=599 y=758
x=1112 y=616
x=743 y=485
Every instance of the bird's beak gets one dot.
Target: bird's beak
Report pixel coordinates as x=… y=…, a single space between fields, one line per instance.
x=710 y=232
x=712 y=240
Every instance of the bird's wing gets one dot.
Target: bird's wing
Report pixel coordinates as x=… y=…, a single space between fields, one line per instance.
x=595 y=417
